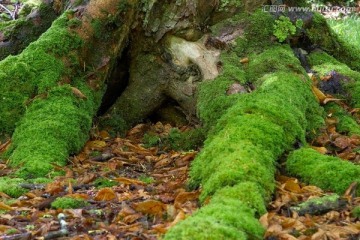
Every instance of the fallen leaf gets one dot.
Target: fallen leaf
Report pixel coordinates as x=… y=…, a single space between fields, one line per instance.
x=78 y=93
x=4 y=206
x=96 y=145
x=183 y=197
x=322 y=150
x=292 y=186
x=244 y=60
x=129 y=181
x=105 y=194
x=320 y=96
x=152 y=207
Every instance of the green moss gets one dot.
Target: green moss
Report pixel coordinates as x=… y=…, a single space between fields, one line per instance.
x=284 y=28
x=277 y=58
x=35 y=70
x=322 y=35
x=10 y=186
x=41 y=138
x=221 y=215
x=242 y=147
x=150 y=140
x=346 y=124
x=259 y=28
x=324 y=64
x=326 y=172
x=103 y=182
x=212 y=98
x=356 y=212
x=66 y=203
x=188 y=140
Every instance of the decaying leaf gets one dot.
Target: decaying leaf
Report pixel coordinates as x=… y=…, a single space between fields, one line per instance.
x=152 y=207
x=105 y=194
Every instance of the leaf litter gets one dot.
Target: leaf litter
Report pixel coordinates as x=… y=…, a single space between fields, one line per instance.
x=136 y=192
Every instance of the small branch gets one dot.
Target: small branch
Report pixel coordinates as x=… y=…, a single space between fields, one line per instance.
x=12 y=15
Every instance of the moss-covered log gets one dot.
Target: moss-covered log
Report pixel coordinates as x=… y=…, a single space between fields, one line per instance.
x=245 y=143
x=336 y=174
x=34 y=19
x=52 y=90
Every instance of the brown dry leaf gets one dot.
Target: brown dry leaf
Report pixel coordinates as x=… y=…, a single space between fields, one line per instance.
x=163 y=162
x=320 y=96
x=78 y=93
x=292 y=186
x=105 y=194
x=54 y=188
x=318 y=235
x=5 y=145
x=179 y=217
x=129 y=181
x=81 y=237
x=70 y=188
x=78 y=196
x=322 y=150
x=95 y=145
x=342 y=142
x=244 y=60
x=131 y=218
x=4 y=206
x=104 y=135
x=331 y=99
x=140 y=128
x=152 y=207
x=183 y=197
x=86 y=178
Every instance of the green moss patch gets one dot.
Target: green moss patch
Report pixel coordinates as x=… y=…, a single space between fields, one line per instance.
x=326 y=172
x=346 y=124
x=322 y=35
x=67 y=203
x=10 y=186
x=221 y=215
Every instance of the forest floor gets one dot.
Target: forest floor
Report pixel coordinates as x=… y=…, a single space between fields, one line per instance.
x=117 y=188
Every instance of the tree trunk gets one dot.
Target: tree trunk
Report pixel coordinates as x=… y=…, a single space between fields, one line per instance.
x=218 y=61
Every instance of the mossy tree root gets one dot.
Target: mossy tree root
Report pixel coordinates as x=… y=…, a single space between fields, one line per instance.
x=59 y=81
x=326 y=172
x=243 y=149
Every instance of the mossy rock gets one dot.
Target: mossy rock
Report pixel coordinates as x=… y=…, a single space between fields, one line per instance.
x=323 y=63
x=326 y=172
x=320 y=34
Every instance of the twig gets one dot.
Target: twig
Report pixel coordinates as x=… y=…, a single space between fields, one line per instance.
x=12 y=15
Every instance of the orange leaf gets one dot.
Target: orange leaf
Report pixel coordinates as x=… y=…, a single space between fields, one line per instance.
x=320 y=96
x=129 y=181
x=105 y=194
x=180 y=216
x=96 y=145
x=321 y=150
x=292 y=186
x=3 y=206
x=183 y=197
x=152 y=207
x=78 y=196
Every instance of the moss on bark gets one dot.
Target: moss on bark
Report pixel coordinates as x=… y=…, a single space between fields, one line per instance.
x=245 y=144
x=50 y=91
